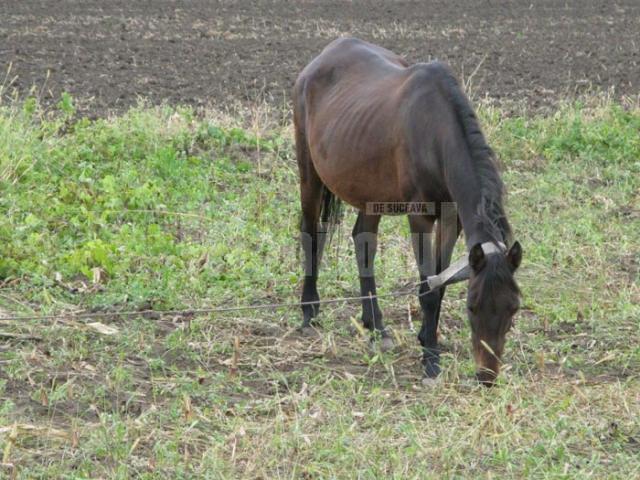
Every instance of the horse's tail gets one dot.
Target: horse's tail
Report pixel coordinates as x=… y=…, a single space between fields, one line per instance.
x=330 y=212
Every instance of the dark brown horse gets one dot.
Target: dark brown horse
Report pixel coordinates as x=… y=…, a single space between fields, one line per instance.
x=374 y=131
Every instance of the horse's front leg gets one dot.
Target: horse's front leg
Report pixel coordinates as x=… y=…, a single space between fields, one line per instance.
x=422 y=243
x=428 y=264
x=365 y=238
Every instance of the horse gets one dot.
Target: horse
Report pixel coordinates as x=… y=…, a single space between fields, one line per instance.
x=373 y=130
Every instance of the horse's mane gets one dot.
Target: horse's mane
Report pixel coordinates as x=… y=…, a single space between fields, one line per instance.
x=490 y=211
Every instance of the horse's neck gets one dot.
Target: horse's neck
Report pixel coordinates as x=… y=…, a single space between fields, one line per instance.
x=466 y=192
x=474 y=227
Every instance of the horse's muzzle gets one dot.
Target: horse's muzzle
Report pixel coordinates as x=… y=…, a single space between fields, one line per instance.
x=487 y=377
x=488 y=361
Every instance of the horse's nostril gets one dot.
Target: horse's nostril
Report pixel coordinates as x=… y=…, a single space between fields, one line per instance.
x=487 y=377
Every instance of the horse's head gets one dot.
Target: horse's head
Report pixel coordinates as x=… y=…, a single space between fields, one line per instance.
x=493 y=299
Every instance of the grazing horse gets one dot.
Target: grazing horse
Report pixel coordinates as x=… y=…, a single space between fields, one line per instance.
x=375 y=132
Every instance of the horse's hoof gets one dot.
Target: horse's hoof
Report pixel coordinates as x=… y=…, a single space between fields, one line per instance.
x=386 y=345
x=431 y=369
x=308 y=332
x=430 y=382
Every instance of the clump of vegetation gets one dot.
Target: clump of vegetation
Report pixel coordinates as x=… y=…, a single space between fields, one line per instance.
x=162 y=209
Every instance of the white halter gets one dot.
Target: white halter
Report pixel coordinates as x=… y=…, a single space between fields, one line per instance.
x=459 y=270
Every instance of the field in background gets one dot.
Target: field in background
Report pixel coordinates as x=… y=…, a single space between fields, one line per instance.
x=160 y=208
x=107 y=53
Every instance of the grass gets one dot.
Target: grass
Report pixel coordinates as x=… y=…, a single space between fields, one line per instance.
x=161 y=208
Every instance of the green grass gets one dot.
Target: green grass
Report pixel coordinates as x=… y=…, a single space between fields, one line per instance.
x=164 y=209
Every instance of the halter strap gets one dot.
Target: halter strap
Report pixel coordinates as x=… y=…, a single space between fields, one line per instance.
x=459 y=270
x=490 y=247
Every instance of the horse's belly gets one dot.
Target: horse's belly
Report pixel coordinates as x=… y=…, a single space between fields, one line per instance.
x=358 y=150
x=360 y=180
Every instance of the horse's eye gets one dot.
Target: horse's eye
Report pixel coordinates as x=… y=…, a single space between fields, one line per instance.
x=473 y=310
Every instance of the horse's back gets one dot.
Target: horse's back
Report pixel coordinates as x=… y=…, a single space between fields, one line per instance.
x=342 y=61
x=356 y=105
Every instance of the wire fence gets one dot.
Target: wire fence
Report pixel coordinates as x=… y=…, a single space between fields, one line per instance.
x=209 y=310
x=451 y=274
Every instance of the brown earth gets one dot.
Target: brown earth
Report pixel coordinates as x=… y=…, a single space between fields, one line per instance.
x=107 y=53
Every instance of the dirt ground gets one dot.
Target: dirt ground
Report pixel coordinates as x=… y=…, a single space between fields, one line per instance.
x=107 y=53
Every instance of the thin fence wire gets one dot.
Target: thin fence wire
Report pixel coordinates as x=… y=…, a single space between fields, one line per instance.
x=201 y=311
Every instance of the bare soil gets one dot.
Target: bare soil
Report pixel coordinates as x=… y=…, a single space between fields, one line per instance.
x=107 y=53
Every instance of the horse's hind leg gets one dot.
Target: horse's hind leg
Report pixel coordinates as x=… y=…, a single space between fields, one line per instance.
x=365 y=238
x=312 y=237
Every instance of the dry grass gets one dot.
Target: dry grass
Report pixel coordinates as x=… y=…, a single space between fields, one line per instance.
x=247 y=396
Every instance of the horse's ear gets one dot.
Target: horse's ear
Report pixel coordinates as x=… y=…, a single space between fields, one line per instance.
x=514 y=256
x=477 y=259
